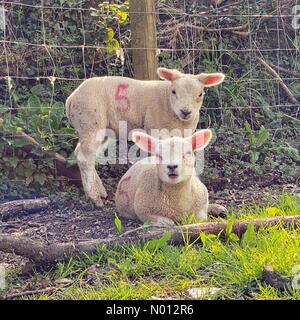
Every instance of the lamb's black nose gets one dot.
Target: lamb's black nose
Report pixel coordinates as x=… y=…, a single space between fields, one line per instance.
x=185 y=113
x=173 y=167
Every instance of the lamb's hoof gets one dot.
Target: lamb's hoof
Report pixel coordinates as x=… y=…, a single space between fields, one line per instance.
x=101 y=190
x=217 y=211
x=98 y=202
x=103 y=194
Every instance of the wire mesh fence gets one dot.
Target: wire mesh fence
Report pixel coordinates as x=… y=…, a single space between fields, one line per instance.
x=49 y=47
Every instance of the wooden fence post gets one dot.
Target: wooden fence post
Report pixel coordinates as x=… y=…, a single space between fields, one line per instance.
x=143 y=29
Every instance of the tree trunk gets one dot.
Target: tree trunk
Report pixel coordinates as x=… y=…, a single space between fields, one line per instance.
x=144 y=44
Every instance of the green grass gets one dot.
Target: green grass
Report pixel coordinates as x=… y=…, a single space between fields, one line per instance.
x=234 y=266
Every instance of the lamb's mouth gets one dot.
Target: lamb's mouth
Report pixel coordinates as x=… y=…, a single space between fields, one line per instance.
x=185 y=119
x=173 y=175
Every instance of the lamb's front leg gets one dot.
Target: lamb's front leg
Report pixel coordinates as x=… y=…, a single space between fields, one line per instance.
x=86 y=156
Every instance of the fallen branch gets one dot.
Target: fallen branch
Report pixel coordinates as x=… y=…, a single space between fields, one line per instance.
x=291 y=97
x=42 y=254
x=22 y=207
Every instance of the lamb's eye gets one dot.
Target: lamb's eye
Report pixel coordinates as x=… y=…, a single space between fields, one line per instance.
x=174 y=91
x=201 y=94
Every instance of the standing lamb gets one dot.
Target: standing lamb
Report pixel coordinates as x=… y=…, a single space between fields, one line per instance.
x=164 y=189
x=102 y=102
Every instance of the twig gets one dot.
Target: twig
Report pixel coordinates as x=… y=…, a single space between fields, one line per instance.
x=143 y=227
x=29 y=293
x=291 y=97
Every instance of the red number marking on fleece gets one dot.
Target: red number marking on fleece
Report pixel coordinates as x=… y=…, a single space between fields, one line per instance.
x=123 y=192
x=122 y=100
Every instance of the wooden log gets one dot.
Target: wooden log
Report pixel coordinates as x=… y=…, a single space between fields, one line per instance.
x=143 y=32
x=43 y=254
x=22 y=207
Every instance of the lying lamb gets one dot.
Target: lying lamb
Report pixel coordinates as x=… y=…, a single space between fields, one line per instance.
x=164 y=189
x=101 y=103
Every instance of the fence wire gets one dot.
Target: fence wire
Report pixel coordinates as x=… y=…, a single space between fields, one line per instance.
x=49 y=47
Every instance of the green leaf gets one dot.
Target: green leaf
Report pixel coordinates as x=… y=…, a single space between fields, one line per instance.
x=262 y=136
x=207 y=238
x=229 y=234
x=56 y=114
x=113 y=46
x=248 y=127
x=38 y=89
x=296 y=200
x=3 y=108
x=122 y=16
x=249 y=237
x=118 y=224
x=34 y=104
x=293 y=153
x=154 y=245
x=233 y=237
x=230 y=223
x=254 y=156
x=249 y=131
x=40 y=178
x=109 y=35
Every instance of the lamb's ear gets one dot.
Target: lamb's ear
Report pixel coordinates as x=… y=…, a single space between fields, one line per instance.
x=211 y=79
x=144 y=141
x=200 y=139
x=169 y=74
